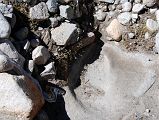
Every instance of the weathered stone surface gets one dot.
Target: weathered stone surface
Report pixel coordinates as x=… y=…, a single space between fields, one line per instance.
x=20 y=98
x=124 y=18
x=149 y=3
x=114 y=30
x=137 y=8
x=40 y=55
x=5 y=28
x=152 y=25
x=8 y=48
x=39 y=12
x=120 y=82
x=65 y=34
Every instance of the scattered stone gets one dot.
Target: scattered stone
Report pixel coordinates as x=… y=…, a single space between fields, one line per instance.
x=52 y=6
x=127 y=6
x=49 y=73
x=153 y=10
x=54 y=22
x=5 y=64
x=65 y=34
x=135 y=18
x=5 y=28
x=147 y=35
x=131 y=35
x=67 y=12
x=149 y=3
x=22 y=33
x=8 y=48
x=152 y=25
x=124 y=18
x=137 y=8
x=40 y=55
x=21 y=99
x=100 y=15
x=31 y=65
x=114 y=30
x=39 y=12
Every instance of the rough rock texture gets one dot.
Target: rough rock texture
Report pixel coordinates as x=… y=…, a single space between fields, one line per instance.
x=65 y=34
x=20 y=98
x=119 y=85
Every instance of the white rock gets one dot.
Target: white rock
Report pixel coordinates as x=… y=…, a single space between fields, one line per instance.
x=124 y=18
x=5 y=28
x=52 y=6
x=27 y=45
x=157 y=42
x=5 y=64
x=137 y=8
x=100 y=15
x=127 y=6
x=40 y=55
x=134 y=17
x=66 y=11
x=54 y=22
x=65 y=34
x=131 y=35
x=153 y=10
x=157 y=15
x=149 y=3
x=20 y=98
x=39 y=12
x=8 y=48
x=123 y=1
x=31 y=65
x=107 y=1
x=152 y=25
x=114 y=30
x=137 y=1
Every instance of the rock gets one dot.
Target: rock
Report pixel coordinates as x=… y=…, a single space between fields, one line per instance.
x=123 y=1
x=152 y=25
x=52 y=6
x=34 y=42
x=114 y=30
x=157 y=16
x=100 y=15
x=127 y=6
x=39 y=12
x=20 y=98
x=137 y=8
x=135 y=18
x=65 y=1
x=5 y=28
x=8 y=48
x=54 y=22
x=153 y=10
x=131 y=35
x=124 y=18
x=40 y=55
x=22 y=33
x=6 y=10
x=67 y=12
x=27 y=45
x=5 y=64
x=149 y=3
x=107 y=1
x=31 y=65
x=49 y=73
x=157 y=42
x=65 y=34
x=137 y=1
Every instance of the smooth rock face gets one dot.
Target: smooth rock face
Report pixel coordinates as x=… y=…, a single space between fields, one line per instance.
x=124 y=18
x=137 y=8
x=152 y=25
x=5 y=28
x=5 y=64
x=39 y=12
x=149 y=3
x=120 y=82
x=40 y=55
x=65 y=34
x=20 y=98
x=114 y=30
x=7 y=48
x=127 y=6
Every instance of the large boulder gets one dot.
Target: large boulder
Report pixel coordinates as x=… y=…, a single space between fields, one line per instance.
x=20 y=98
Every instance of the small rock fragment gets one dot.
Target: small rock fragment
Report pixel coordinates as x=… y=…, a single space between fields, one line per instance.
x=152 y=25
x=100 y=15
x=127 y=6
x=149 y=3
x=124 y=18
x=114 y=30
x=137 y=8
x=131 y=35
x=52 y=6
x=31 y=65
x=40 y=55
